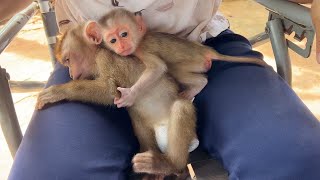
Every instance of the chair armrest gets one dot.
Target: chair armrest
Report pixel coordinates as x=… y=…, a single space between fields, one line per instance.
x=292 y=11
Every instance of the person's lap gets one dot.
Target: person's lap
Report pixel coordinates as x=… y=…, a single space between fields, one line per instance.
x=73 y=140
x=247 y=116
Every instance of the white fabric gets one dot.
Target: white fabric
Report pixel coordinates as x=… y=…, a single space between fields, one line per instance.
x=161 y=133
x=192 y=19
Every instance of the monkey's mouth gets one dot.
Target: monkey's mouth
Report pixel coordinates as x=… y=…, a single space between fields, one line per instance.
x=126 y=52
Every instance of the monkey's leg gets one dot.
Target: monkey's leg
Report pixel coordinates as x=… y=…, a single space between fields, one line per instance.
x=147 y=141
x=144 y=133
x=181 y=131
x=192 y=82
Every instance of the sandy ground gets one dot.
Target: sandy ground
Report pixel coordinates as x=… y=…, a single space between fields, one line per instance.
x=27 y=58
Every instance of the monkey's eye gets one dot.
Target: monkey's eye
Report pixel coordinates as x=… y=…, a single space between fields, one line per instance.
x=112 y=41
x=124 y=34
x=66 y=61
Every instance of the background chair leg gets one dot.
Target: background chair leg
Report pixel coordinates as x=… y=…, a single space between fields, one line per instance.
x=8 y=118
x=280 y=49
x=50 y=25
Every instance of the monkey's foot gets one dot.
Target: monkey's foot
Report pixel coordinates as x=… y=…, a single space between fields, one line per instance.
x=152 y=163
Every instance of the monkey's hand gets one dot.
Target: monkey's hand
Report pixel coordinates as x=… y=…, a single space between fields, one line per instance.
x=128 y=97
x=49 y=95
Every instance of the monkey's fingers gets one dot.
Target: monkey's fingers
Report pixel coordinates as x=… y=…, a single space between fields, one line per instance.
x=122 y=102
x=39 y=105
x=47 y=97
x=118 y=104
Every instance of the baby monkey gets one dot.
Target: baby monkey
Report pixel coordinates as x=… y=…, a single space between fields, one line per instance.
x=125 y=33
x=96 y=74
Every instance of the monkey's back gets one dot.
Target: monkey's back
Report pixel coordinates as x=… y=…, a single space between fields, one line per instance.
x=173 y=49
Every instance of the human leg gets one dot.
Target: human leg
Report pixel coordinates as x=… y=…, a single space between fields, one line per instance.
x=254 y=122
x=71 y=140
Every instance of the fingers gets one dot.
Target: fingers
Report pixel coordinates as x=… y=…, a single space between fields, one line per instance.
x=39 y=105
x=126 y=98
x=47 y=96
x=119 y=102
x=122 y=90
x=122 y=103
x=41 y=101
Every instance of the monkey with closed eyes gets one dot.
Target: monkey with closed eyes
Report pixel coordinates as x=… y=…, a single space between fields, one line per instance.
x=96 y=74
x=125 y=33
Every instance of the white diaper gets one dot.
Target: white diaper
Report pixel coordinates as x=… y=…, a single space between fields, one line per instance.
x=161 y=133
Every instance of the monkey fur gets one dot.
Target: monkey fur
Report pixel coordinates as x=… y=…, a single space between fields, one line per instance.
x=96 y=82
x=125 y=33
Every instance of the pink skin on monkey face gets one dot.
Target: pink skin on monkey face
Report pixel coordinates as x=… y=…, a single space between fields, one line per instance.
x=120 y=40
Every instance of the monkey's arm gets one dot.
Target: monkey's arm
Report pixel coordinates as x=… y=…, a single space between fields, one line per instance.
x=155 y=68
x=92 y=91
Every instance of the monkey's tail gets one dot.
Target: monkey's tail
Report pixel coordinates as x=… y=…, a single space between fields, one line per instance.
x=242 y=60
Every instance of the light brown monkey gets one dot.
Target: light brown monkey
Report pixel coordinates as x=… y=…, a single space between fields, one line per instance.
x=97 y=72
x=125 y=33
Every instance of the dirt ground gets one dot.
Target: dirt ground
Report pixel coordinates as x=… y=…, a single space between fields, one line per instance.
x=27 y=58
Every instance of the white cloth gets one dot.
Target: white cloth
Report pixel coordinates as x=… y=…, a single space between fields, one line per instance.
x=192 y=19
x=161 y=133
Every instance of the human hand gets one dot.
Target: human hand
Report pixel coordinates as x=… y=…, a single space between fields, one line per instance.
x=128 y=97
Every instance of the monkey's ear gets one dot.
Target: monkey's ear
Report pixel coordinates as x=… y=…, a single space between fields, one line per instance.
x=92 y=32
x=140 y=22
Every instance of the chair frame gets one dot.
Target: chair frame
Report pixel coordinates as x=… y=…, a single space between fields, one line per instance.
x=8 y=118
x=283 y=20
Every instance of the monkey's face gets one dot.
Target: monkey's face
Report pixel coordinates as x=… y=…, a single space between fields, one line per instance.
x=80 y=62
x=120 y=39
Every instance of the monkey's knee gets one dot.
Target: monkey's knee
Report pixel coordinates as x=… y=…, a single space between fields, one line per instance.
x=183 y=109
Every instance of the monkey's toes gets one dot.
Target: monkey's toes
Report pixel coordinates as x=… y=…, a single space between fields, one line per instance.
x=142 y=156
x=143 y=162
